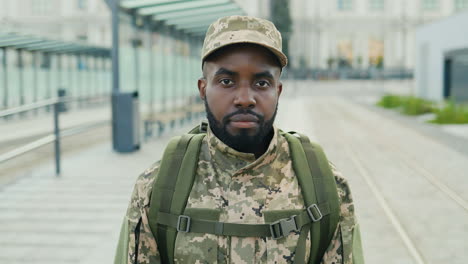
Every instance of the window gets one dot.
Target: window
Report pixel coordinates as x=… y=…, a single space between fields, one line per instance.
x=377 y=5
x=82 y=4
x=461 y=5
x=430 y=5
x=345 y=5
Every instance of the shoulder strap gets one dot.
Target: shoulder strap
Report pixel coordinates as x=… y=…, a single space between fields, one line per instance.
x=318 y=187
x=176 y=175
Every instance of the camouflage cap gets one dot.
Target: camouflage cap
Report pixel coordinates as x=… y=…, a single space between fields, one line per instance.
x=243 y=29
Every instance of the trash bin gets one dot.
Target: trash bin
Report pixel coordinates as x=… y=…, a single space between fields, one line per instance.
x=125 y=122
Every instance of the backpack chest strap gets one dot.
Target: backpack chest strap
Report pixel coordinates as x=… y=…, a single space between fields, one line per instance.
x=275 y=230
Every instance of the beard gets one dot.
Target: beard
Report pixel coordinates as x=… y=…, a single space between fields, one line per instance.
x=242 y=142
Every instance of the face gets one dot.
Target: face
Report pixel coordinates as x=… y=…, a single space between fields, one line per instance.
x=241 y=89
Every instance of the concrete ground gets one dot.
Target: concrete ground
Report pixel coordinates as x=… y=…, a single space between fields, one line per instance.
x=409 y=185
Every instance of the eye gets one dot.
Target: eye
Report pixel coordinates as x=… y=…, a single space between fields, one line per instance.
x=226 y=82
x=263 y=84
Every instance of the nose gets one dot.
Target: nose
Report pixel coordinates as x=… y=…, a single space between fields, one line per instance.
x=244 y=98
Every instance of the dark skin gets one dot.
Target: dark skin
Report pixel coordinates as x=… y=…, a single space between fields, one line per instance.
x=242 y=77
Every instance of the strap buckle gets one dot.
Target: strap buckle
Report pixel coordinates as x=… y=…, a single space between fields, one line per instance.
x=203 y=126
x=314 y=213
x=187 y=224
x=283 y=227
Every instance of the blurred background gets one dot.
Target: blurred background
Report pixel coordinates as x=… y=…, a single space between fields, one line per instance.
x=92 y=90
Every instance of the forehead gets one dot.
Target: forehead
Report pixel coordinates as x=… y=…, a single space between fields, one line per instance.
x=243 y=54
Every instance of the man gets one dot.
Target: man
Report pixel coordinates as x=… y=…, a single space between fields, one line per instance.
x=245 y=173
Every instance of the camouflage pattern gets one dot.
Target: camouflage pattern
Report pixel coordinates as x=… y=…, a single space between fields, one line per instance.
x=243 y=29
x=241 y=189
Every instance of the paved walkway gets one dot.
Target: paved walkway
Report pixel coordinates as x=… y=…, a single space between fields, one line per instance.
x=74 y=218
x=410 y=189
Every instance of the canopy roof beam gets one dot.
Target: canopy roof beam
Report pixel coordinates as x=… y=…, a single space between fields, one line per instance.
x=198 y=11
x=201 y=20
x=133 y=4
x=179 y=6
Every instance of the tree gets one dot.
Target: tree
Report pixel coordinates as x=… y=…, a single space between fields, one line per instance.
x=281 y=17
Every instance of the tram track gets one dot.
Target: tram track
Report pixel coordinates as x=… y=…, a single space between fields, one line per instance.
x=411 y=162
x=352 y=147
x=364 y=173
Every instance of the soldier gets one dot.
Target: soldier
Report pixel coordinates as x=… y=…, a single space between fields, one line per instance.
x=254 y=193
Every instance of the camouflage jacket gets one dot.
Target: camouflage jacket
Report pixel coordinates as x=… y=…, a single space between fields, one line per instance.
x=241 y=189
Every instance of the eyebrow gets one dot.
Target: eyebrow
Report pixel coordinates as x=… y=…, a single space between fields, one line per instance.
x=265 y=74
x=222 y=71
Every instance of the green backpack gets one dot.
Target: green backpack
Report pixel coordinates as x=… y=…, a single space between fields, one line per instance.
x=176 y=175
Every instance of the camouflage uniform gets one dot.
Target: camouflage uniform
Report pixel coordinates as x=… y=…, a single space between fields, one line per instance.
x=235 y=187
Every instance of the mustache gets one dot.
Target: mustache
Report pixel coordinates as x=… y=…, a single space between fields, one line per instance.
x=260 y=117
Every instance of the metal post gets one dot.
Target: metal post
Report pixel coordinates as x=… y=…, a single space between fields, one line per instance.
x=96 y=74
x=35 y=81
x=135 y=44
x=151 y=66
x=89 y=81
x=57 y=139
x=103 y=75
x=187 y=80
x=165 y=76
x=21 y=76
x=175 y=69
x=59 y=73
x=69 y=75
x=114 y=5
x=48 y=78
x=5 y=78
x=79 y=77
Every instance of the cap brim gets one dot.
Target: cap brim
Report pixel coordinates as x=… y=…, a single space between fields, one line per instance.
x=280 y=55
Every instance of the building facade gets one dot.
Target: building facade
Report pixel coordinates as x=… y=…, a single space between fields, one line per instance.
x=86 y=21
x=442 y=59
x=362 y=33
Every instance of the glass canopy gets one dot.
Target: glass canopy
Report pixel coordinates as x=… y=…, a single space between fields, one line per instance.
x=33 y=43
x=189 y=16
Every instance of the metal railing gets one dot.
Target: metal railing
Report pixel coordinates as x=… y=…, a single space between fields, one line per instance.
x=58 y=105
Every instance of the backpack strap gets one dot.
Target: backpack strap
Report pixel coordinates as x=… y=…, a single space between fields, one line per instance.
x=274 y=230
x=176 y=175
x=318 y=187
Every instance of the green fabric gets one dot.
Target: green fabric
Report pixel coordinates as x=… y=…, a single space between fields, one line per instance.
x=318 y=187
x=163 y=192
x=121 y=254
x=358 y=257
x=271 y=216
x=176 y=174
x=200 y=224
x=184 y=181
x=303 y=172
x=299 y=257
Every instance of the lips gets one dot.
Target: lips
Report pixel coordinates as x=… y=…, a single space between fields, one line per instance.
x=243 y=118
x=243 y=121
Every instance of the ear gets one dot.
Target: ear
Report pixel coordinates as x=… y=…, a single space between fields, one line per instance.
x=279 y=89
x=202 y=88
